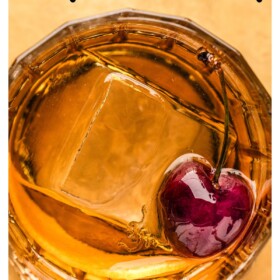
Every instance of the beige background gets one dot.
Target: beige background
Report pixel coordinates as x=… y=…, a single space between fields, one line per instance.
x=245 y=24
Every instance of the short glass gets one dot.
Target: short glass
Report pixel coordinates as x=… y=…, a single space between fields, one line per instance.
x=99 y=110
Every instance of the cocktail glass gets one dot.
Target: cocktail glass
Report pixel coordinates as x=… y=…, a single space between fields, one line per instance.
x=99 y=111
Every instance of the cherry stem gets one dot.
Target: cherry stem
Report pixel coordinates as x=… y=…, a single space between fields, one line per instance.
x=222 y=158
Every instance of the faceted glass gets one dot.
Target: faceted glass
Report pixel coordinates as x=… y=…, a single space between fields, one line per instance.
x=99 y=110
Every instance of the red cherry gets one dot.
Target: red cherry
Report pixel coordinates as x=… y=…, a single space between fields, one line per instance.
x=201 y=219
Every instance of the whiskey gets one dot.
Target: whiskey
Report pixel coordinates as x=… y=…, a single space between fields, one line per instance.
x=90 y=144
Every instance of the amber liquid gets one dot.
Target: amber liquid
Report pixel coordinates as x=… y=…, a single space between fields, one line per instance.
x=89 y=150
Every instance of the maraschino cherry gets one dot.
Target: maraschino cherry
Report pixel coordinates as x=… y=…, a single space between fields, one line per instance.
x=200 y=218
x=204 y=209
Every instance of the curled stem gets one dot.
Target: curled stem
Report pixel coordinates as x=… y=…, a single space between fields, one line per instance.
x=215 y=65
x=222 y=157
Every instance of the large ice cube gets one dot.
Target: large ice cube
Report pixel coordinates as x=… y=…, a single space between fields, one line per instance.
x=104 y=141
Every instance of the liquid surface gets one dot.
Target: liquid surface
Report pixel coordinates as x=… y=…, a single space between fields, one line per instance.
x=90 y=150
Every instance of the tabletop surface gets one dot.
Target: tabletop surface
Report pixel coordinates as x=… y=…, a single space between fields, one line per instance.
x=246 y=25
